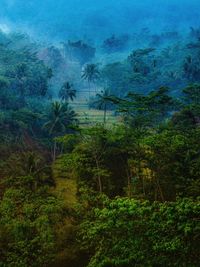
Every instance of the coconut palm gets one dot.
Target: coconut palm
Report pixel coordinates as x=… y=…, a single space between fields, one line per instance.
x=67 y=92
x=90 y=73
x=60 y=117
x=102 y=102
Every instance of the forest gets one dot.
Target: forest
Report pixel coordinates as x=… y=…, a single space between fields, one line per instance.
x=100 y=150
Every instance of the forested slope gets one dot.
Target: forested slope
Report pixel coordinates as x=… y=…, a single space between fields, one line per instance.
x=113 y=193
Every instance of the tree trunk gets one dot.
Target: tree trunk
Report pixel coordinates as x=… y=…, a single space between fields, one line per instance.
x=160 y=190
x=54 y=150
x=104 y=115
x=100 y=184
x=129 y=185
x=98 y=176
x=89 y=85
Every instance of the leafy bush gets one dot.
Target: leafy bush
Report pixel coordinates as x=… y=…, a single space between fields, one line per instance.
x=128 y=232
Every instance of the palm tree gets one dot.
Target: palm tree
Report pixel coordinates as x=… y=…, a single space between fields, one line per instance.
x=90 y=73
x=67 y=92
x=60 y=117
x=102 y=102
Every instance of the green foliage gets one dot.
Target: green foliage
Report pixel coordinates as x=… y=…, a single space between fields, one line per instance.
x=152 y=156
x=128 y=232
x=146 y=110
x=28 y=220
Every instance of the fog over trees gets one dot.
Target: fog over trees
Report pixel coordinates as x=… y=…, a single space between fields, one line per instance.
x=99 y=133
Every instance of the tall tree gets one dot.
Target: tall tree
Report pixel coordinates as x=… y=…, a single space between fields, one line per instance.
x=146 y=110
x=67 y=92
x=90 y=73
x=102 y=102
x=59 y=119
x=21 y=77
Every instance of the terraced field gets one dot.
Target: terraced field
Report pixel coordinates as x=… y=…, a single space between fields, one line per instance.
x=88 y=116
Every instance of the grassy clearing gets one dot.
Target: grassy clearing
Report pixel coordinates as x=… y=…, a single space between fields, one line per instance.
x=88 y=116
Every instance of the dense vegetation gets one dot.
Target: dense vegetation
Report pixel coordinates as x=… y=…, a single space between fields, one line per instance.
x=76 y=193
